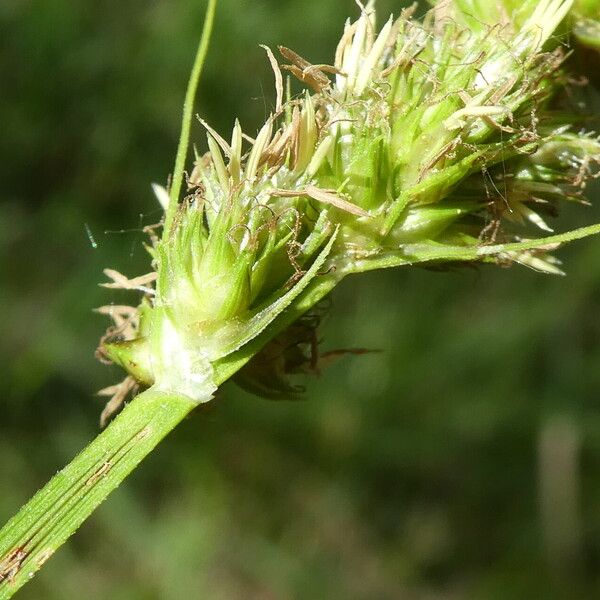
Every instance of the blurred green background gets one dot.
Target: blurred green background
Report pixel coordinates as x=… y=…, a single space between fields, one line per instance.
x=463 y=461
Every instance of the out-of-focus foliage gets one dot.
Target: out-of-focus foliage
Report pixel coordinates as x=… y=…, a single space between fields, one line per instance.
x=586 y=22
x=461 y=461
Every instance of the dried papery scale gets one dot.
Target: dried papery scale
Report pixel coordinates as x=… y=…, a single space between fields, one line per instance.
x=423 y=142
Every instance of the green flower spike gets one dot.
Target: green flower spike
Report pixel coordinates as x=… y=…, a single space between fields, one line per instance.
x=433 y=141
x=425 y=142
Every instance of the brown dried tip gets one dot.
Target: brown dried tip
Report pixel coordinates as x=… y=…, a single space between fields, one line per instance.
x=312 y=75
x=118 y=393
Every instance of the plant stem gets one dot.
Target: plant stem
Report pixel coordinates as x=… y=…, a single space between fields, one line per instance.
x=30 y=538
x=424 y=252
x=41 y=526
x=186 y=122
x=56 y=511
x=59 y=508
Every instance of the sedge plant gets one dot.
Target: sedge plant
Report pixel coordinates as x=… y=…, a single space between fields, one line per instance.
x=441 y=141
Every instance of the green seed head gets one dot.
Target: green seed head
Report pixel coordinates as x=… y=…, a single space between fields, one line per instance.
x=424 y=141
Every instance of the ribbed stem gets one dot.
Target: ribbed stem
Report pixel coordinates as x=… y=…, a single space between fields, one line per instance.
x=29 y=539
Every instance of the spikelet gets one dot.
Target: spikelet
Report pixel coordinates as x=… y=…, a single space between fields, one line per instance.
x=428 y=141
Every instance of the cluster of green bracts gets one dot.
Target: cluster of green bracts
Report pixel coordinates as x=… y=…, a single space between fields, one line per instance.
x=439 y=140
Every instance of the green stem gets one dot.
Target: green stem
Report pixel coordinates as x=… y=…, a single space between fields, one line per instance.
x=56 y=511
x=424 y=252
x=59 y=508
x=188 y=113
x=30 y=538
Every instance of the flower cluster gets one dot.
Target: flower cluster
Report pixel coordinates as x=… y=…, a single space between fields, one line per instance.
x=439 y=140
